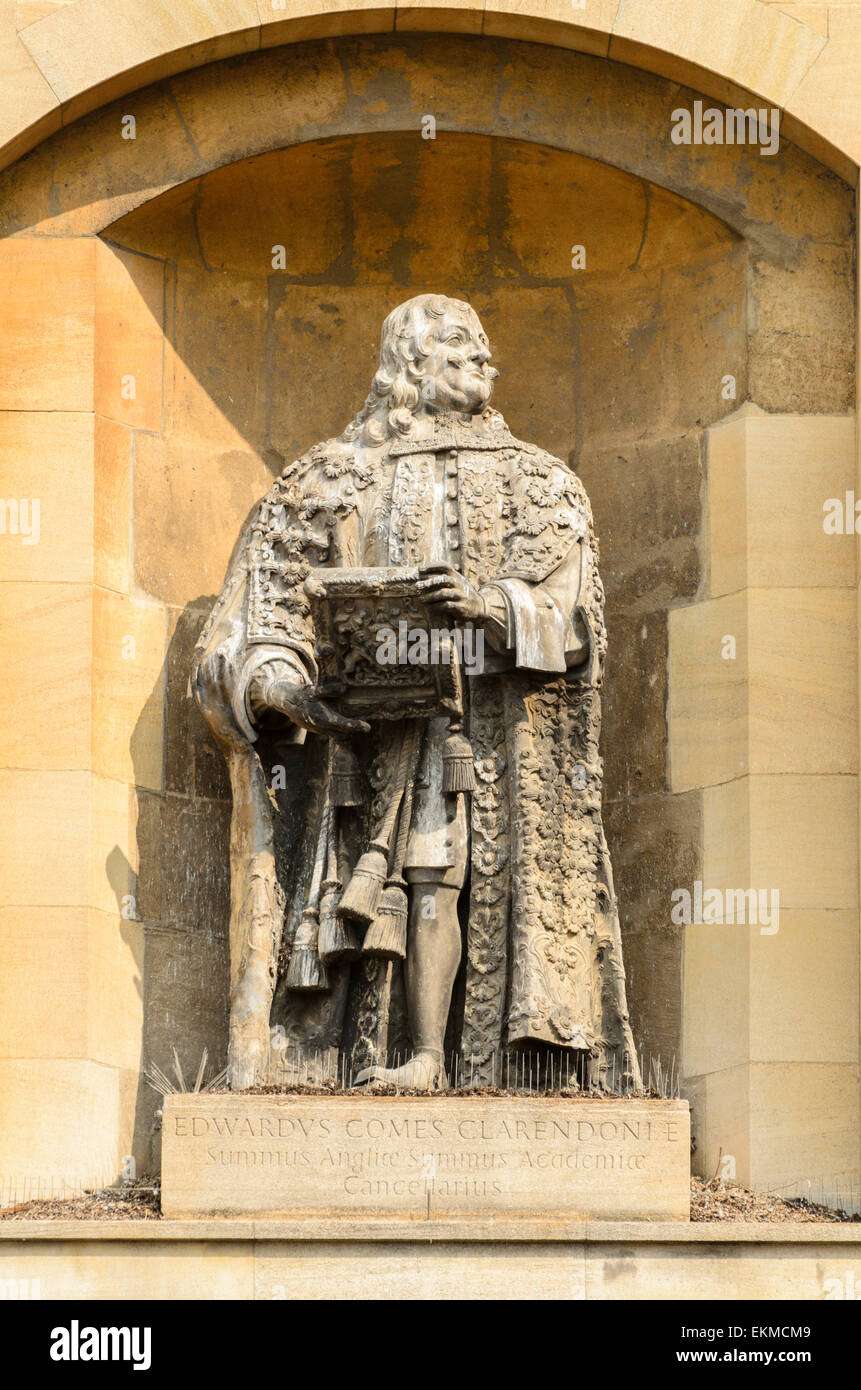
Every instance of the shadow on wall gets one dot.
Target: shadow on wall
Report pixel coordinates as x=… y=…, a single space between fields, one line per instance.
x=181 y=892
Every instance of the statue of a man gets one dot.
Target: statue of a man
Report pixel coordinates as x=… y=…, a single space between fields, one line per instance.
x=486 y=829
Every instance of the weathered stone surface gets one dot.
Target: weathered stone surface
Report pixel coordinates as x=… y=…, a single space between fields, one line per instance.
x=134 y=1268
x=792 y=368
x=215 y=394
x=705 y=337
x=183 y=495
x=78 y=52
x=794 y=833
x=46 y=356
x=271 y=1155
x=183 y=862
x=309 y=328
x=112 y=505
x=194 y=765
x=544 y=402
x=635 y=705
x=655 y=843
x=806 y=66
x=128 y=689
x=185 y=982
x=619 y=325
x=129 y=345
x=45 y=632
x=646 y=497
x=769 y=477
x=467 y=1258
x=37 y=448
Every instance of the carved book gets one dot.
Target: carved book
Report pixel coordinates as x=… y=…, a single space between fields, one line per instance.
x=381 y=652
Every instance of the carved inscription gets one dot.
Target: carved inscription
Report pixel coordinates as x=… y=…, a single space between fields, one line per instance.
x=268 y=1154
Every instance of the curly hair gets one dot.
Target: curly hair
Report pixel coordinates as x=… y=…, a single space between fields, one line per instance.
x=396 y=389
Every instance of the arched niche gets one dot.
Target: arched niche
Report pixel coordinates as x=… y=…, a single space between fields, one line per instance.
x=702 y=264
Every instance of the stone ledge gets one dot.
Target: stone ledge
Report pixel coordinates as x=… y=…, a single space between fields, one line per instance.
x=460 y=1259
x=441 y=1229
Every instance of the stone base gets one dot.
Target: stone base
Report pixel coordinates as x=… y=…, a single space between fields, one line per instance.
x=482 y=1259
x=425 y=1158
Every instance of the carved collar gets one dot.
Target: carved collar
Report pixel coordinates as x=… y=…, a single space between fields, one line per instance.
x=453 y=431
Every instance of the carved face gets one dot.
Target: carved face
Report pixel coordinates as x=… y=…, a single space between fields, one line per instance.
x=456 y=374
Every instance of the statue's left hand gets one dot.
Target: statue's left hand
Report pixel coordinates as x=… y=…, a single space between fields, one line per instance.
x=302 y=704
x=449 y=592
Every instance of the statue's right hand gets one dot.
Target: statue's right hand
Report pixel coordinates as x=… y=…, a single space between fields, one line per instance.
x=304 y=705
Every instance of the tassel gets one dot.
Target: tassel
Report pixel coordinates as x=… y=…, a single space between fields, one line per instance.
x=346 y=777
x=337 y=940
x=305 y=970
x=386 y=938
x=458 y=773
x=362 y=893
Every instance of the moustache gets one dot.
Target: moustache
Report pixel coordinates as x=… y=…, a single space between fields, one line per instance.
x=489 y=373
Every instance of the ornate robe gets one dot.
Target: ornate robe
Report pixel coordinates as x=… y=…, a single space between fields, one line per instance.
x=543 y=961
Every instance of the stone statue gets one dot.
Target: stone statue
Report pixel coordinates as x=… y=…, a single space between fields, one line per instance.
x=394 y=813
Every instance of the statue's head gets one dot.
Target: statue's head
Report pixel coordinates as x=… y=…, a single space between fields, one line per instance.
x=434 y=356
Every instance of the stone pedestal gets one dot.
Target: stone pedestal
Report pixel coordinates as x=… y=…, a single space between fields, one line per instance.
x=425 y=1158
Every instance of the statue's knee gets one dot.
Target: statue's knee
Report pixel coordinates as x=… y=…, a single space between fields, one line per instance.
x=432 y=901
x=451 y=877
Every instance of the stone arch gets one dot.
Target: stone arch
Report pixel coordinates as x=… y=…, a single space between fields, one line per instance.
x=92 y=52
x=86 y=176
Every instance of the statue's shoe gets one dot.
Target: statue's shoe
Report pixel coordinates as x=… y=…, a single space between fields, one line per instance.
x=424 y=1072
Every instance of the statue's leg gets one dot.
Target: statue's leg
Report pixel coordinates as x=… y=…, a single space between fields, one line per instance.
x=256 y=920
x=436 y=870
x=433 y=956
x=432 y=959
